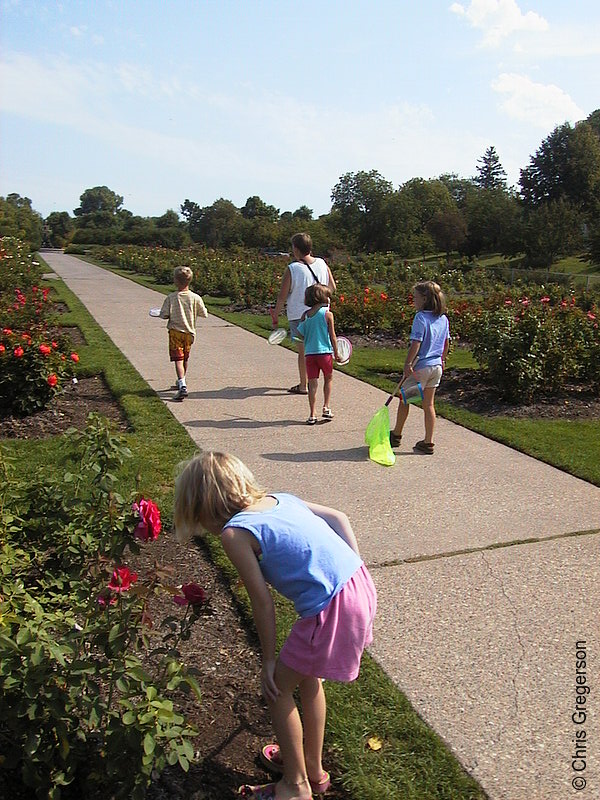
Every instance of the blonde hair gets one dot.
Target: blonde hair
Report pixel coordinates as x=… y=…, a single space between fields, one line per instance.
x=209 y=490
x=302 y=242
x=434 y=297
x=182 y=276
x=316 y=293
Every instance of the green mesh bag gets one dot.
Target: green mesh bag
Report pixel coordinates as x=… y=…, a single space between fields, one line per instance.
x=377 y=436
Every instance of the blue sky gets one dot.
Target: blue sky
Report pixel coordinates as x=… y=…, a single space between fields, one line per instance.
x=163 y=100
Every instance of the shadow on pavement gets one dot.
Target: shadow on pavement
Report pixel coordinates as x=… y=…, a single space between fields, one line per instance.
x=351 y=454
x=232 y=393
x=243 y=422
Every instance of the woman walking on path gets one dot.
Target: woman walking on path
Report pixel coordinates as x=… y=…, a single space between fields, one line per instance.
x=309 y=554
x=425 y=360
x=299 y=275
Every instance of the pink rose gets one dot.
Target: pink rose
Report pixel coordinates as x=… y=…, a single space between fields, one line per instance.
x=150 y=525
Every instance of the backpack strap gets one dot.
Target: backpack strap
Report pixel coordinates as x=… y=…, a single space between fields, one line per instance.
x=312 y=272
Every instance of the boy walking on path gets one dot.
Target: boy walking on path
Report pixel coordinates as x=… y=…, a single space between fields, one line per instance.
x=181 y=308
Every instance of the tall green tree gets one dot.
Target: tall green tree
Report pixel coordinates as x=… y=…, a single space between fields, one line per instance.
x=100 y=198
x=553 y=230
x=565 y=166
x=490 y=172
x=423 y=199
x=59 y=226
x=494 y=222
x=18 y=218
x=255 y=208
x=363 y=206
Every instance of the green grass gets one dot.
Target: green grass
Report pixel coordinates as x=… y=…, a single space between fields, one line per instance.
x=575 y=265
x=413 y=763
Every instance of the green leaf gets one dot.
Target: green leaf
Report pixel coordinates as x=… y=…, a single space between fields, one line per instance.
x=149 y=744
x=32 y=743
x=128 y=718
x=183 y=763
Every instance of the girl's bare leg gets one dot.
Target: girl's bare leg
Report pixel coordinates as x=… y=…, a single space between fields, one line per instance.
x=288 y=729
x=401 y=418
x=328 y=381
x=313 y=385
x=314 y=710
x=429 y=412
x=301 y=366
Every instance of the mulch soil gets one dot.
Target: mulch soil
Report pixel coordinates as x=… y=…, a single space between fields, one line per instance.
x=232 y=717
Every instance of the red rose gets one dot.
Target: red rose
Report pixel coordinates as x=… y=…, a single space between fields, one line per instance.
x=45 y=350
x=122 y=579
x=6 y=331
x=52 y=380
x=74 y=357
x=193 y=595
x=18 y=351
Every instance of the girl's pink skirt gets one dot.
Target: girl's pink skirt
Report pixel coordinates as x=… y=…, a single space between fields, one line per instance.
x=330 y=645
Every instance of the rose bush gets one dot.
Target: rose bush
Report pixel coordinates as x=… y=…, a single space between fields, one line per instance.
x=35 y=362
x=88 y=696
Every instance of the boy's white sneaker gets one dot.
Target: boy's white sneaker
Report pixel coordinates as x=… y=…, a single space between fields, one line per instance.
x=327 y=413
x=182 y=393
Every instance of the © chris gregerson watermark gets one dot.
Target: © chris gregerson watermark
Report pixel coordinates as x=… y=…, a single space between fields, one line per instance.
x=579 y=753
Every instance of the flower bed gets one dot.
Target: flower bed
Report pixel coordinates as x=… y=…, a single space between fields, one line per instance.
x=35 y=363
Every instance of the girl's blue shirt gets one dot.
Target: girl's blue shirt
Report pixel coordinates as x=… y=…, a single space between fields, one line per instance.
x=431 y=330
x=302 y=556
x=316 y=333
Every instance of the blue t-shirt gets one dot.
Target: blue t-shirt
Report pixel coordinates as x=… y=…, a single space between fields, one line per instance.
x=302 y=557
x=431 y=330
x=316 y=333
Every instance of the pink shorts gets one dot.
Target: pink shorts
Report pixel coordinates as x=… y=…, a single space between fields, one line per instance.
x=317 y=362
x=330 y=645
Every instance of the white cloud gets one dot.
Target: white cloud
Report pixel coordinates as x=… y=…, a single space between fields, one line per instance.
x=498 y=19
x=77 y=30
x=542 y=105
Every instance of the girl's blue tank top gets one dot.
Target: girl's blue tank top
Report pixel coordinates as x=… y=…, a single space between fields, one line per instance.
x=302 y=557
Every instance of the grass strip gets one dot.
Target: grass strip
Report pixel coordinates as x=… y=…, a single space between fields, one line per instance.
x=413 y=762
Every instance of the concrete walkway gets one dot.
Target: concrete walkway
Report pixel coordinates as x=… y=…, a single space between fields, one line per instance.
x=482 y=643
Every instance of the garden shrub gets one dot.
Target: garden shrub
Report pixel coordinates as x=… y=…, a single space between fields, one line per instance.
x=35 y=361
x=88 y=682
x=526 y=348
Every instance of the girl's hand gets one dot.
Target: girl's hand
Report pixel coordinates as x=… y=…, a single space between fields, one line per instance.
x=274 y=317
x=267 y=681
x=337 y=356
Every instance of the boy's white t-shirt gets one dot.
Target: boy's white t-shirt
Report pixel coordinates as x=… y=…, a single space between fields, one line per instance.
x=182 y=309
x=301 y=279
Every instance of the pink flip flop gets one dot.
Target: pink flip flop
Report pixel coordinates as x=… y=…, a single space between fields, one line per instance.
x=270 y=756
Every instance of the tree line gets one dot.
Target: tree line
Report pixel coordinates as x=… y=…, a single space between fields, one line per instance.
x=553 y=212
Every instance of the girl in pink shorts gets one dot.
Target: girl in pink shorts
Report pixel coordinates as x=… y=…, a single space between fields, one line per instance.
x=309 y=554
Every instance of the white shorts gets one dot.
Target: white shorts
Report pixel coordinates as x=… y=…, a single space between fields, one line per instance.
x=428 y=377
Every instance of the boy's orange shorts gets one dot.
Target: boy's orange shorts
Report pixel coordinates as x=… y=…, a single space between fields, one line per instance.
x=180 y=343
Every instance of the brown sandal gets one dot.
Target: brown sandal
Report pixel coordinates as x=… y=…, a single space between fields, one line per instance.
x=297 y=390
x=424 y=447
